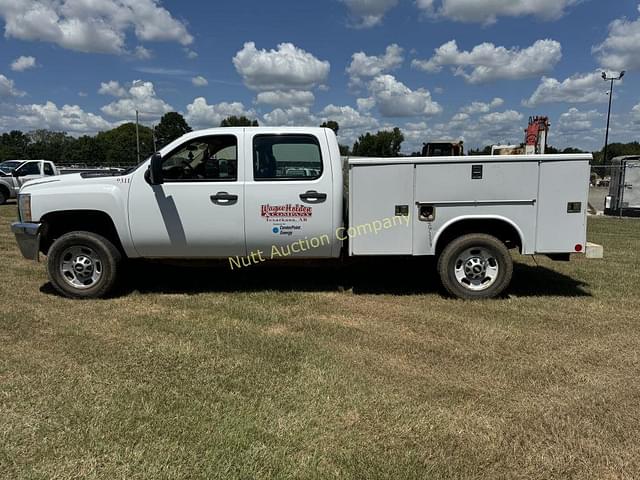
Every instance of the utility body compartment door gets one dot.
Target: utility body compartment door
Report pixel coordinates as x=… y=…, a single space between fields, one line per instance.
x=562 y=206
x=381 y=209
x=289 y=194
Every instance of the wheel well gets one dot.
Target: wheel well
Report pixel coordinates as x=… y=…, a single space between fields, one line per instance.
x=502 y=230
x=56 y=224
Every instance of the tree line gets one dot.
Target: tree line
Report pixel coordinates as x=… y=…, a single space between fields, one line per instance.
x=119 y=146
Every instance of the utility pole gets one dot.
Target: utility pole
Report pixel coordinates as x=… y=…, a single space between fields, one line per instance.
x=137 y=137
x=606 y=78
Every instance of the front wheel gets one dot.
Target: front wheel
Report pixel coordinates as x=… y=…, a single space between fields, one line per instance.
x=475 y=266
x=83 y=265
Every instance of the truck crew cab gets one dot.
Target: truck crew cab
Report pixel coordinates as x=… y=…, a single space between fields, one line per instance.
x=273 y=193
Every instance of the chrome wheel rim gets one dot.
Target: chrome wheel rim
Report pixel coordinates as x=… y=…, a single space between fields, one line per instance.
x=476 y=269
x=80 y=267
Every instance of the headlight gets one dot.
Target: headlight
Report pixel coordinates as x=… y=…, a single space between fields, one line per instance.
x=24 y=207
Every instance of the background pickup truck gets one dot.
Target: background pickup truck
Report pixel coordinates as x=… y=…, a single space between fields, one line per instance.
x=249 y=195
x=13 y=179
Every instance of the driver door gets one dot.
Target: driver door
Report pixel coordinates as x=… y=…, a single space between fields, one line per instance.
x=198 y=212
x=27 y=171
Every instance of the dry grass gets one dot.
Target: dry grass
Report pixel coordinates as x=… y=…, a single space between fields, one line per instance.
x=277 y=373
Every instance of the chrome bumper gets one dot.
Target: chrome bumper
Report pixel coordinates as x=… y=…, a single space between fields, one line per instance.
x=28 y=238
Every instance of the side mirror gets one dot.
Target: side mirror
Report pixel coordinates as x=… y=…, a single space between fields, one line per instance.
x=155 y=170
x=16 y=173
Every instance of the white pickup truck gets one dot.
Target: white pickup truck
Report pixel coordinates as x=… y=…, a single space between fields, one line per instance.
x=249 y=195
x=12 y=180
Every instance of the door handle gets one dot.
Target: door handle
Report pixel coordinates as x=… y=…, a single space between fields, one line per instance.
x=313 y=197
x=224 y=198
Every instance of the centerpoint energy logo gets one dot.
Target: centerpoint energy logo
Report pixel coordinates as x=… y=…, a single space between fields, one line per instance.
x=279 y=212
x=305 y=244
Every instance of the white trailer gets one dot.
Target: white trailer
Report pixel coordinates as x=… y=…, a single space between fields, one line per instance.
x=248 y=195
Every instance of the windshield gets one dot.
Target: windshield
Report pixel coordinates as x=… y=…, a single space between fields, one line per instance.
x=10 y=165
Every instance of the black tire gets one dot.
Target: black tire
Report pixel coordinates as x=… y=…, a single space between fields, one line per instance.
x=3 y=197
x=481 y=245
x=108 y=260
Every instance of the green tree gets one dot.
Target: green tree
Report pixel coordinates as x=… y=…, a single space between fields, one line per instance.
x=385 y=143
x=242 y=121
x=484 y=151
x=85 y=150
x=172 y=126
x=48 y=145
x=13 y=146
x=616 y=150
x=332 y=124
x=119 y=144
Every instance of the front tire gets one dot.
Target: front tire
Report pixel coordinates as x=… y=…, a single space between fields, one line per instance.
x=83 y=265
x=3 y=197
x=475 y=266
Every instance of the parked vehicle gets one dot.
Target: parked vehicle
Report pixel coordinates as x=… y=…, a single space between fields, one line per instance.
x=7 y=167
x=624 y=188
x=231 y=194
x=28 y=170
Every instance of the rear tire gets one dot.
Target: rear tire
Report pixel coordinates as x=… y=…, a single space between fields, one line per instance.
x=3 y=197
x=83 y=265
x=475 y=266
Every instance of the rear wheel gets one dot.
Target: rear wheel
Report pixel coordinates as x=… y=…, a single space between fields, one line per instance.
x=475 y=266
x=3 y=197
x=83 y=265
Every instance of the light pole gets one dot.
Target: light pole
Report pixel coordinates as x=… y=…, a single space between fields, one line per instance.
x=606 y=78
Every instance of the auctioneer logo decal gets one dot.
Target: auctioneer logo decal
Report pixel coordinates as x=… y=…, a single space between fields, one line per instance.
x=288 y=211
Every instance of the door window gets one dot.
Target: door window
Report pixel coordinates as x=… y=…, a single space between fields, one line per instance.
x=29 y=168
x=213 y=158
x=48 y=169
x=286 y=157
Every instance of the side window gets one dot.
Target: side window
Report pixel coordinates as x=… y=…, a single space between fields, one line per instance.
x=286 y=157
x=48 y=169
x=213 y=158
x=29 y=168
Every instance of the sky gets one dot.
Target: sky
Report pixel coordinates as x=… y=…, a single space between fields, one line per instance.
x=438 y=69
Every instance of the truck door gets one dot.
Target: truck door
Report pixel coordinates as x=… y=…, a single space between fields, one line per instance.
x=289 y=195
x=198 y=212
x=27 y=171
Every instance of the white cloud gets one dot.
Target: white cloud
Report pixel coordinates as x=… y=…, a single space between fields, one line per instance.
x=191 y=54
x=488 y=11
x=142 y=53
x=395 y=99
x=364 y=66
x=202 y=115
x=482 y=107
x=8 y=89
x=69 y=118
x=293 y=116
x=635 y=113
x=23 y=63
x=579 y=88
x=286 y=99
x=620 y=50
x=584 y=129
x=487 y=62
x=91 y=25
x=199 y=81
x=287 y=68
x=112 y=88
x=352 y=123
x=142 y=97
x=368 y=13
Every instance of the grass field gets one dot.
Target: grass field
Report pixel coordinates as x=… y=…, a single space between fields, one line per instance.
x=294 y=373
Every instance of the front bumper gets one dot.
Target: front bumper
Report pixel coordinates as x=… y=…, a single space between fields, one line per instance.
x=28 y=238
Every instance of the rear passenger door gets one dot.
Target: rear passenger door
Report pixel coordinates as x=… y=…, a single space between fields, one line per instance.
x=289 y=195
